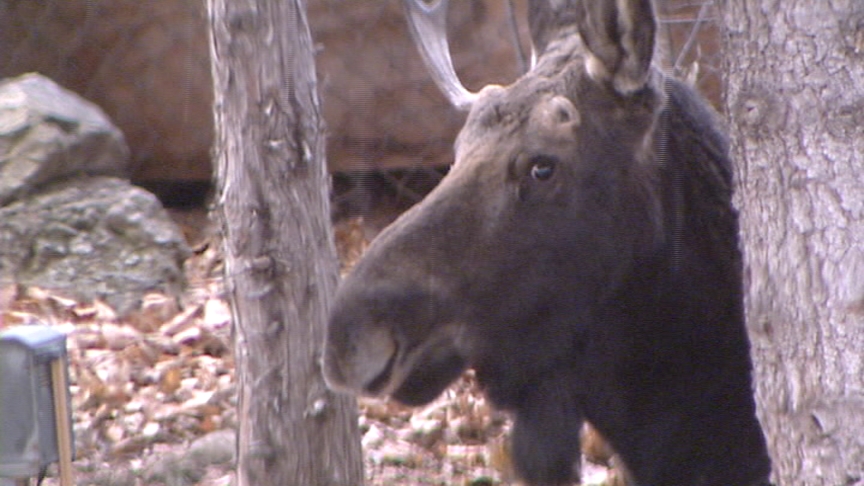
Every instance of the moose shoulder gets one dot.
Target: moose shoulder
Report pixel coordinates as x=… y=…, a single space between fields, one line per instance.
x=581 y=256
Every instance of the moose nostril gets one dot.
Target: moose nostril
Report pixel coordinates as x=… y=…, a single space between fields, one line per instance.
x=360 y=360
x=379 y=382
x=332 y=371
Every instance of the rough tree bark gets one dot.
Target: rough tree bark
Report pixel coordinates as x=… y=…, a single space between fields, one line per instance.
x=795 y=102
x=280 y=261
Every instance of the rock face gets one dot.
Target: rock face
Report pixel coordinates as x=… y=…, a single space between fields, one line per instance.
x=95 y=237
x=66 y=221
x=147 y=64
x=381 y=107
x=47 y=133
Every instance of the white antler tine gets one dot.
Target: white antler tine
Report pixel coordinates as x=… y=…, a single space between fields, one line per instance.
x=428 y=26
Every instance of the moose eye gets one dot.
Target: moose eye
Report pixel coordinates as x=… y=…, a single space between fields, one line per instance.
x=542 y=167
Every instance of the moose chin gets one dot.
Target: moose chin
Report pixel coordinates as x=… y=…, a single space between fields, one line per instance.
x=581 y=256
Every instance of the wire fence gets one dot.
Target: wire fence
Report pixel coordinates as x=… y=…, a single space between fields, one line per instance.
x=146 y=64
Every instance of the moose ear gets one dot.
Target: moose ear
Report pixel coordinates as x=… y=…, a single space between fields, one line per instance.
x=619 y=36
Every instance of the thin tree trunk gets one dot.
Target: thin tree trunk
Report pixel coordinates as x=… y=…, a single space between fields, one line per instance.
x=280 y=261
x=795 y=100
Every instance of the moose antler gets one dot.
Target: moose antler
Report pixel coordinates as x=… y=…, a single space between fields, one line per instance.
x=428 y=25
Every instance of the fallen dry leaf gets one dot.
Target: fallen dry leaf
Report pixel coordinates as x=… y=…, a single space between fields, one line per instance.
x=118 y=337
x=217 y=314
x=170 y=380
x=156 y=309
x=181 y=321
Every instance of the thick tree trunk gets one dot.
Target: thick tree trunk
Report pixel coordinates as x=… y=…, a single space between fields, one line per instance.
x=280 y=262
x=795 y=101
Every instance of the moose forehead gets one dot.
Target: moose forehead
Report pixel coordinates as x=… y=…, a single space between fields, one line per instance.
x=501 y=108
x=530 y=113
x=503 y=114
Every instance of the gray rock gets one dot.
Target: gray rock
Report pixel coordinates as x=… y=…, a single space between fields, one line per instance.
x=48 y=133
x=214 y=448
x=146 y=63
x=93 y=237
x=187 y=467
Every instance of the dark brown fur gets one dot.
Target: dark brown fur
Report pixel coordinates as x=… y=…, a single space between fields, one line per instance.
x=609 y=291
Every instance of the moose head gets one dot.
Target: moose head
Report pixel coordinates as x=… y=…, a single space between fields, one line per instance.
x=581 y=256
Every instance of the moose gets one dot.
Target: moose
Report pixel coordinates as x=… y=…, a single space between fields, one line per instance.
x=581 y=256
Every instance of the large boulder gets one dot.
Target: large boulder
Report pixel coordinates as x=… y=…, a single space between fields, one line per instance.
x=93 y=237
x=48 y=133
x=147 y=64
x=382 y=109
x=67 y=221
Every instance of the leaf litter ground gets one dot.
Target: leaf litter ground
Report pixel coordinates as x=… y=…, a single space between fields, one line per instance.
x=154 y=393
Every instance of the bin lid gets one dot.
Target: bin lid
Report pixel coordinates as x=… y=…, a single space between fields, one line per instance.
x=44 y=341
